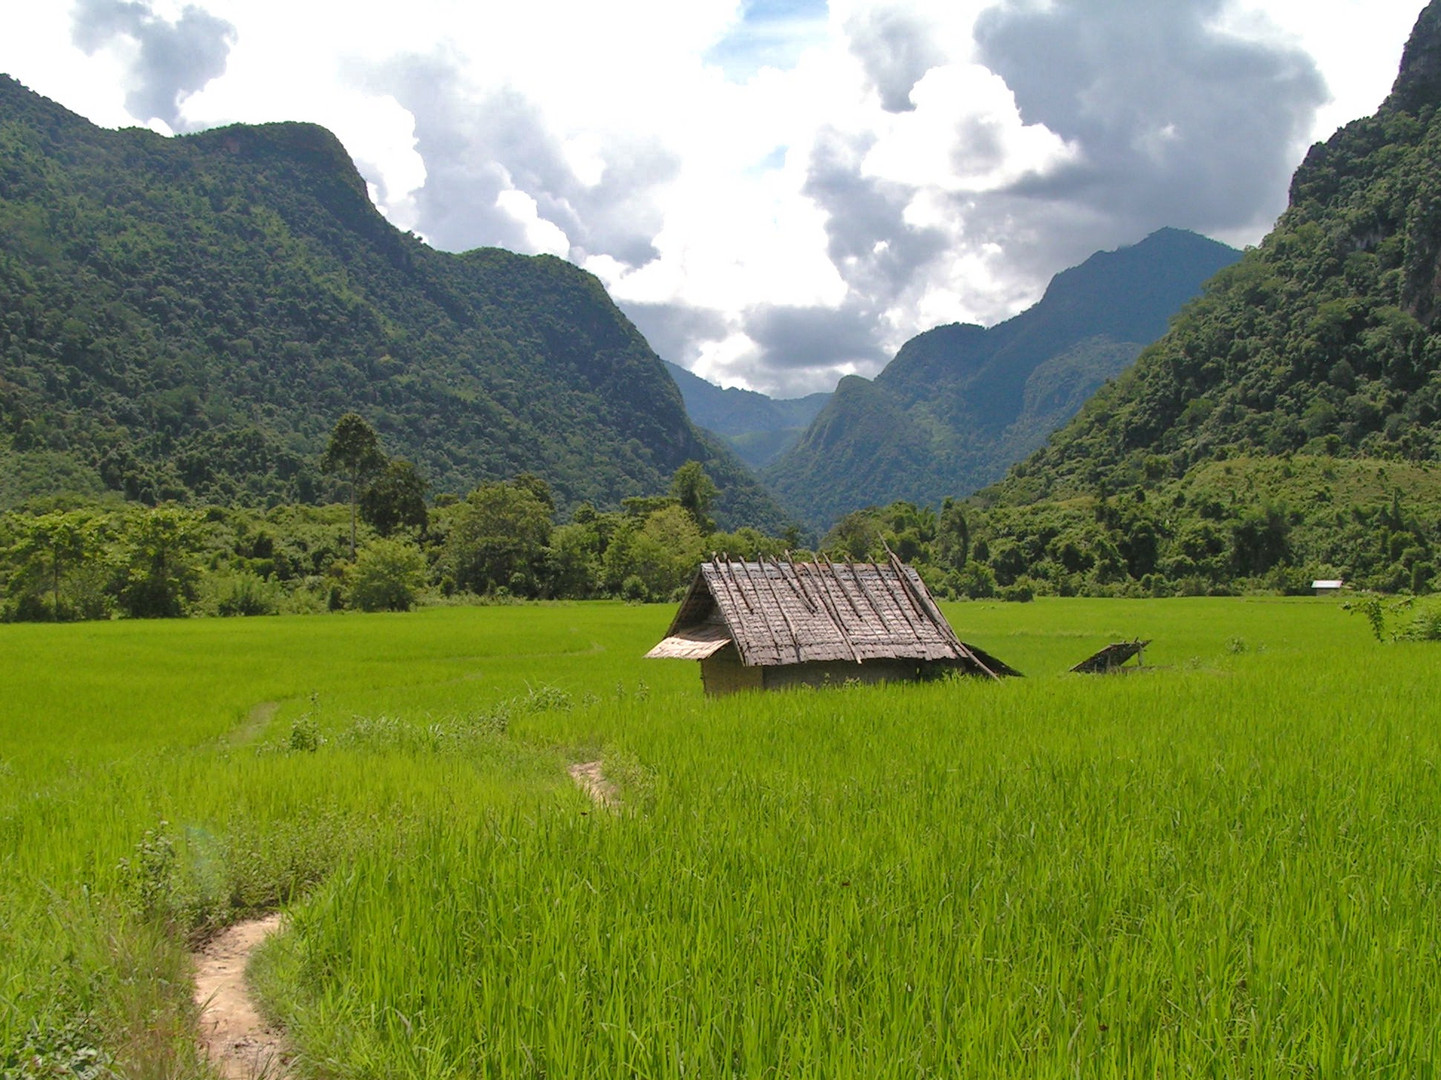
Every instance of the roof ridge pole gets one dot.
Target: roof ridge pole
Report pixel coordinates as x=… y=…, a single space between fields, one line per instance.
x=833 y=612
x=775 y=641
x=907 y=586
x=796 y=586
x=849 y=602
x=780 y=605
x=942 y=623
x=903 y=603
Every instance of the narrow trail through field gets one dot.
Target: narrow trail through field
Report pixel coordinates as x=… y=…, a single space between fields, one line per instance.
x=238 y=1041
x=254 y=724
x=240 y=1044
x=591 y=780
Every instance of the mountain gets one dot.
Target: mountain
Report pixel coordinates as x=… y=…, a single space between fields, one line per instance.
x=758 y=428
x=1321 y=341
x=186 y=318
x=960 y=403
x=1287 y=427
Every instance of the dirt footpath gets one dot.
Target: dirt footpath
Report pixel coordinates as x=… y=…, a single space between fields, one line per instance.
x=589 y=777
x=237 y=1040
x=239 y=1043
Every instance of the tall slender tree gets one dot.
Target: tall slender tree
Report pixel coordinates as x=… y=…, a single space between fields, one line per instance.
x=696 y=491
x=53 y=545
x=354 y=454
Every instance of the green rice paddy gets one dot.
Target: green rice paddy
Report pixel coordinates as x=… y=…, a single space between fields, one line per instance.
x=1227 y=865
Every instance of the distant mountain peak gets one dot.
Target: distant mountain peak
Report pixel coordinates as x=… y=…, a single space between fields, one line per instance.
x=959 y=403
x=1419 y=82
x=758 y=428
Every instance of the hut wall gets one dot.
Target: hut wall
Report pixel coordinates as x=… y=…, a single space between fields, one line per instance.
x=840 y=672
x=724 y=673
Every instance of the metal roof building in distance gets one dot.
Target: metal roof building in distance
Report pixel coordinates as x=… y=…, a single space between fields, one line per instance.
x=776 y=623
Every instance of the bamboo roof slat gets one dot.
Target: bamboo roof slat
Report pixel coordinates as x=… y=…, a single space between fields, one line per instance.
x=837 y=622
x=833 y=576
x=902 y=607
x=865 y=592
x=794 y=581
x=778 y=607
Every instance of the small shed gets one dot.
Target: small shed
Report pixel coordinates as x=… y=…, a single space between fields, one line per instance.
x=1112 y=657
x=777 y=623
x=1327 y=586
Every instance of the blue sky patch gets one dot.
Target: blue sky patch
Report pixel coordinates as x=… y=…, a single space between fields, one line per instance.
x=771 y=33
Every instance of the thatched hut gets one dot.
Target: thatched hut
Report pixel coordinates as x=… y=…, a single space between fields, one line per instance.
x=772 y=623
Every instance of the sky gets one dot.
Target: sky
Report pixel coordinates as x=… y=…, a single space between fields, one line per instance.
x=777 y=192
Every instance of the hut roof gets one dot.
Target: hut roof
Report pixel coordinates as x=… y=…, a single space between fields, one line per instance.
x=782 y=612
x=1111 y=657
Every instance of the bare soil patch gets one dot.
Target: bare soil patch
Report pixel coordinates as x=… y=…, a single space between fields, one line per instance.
x=254 y=723
x=589 y=777
x=239 y=1043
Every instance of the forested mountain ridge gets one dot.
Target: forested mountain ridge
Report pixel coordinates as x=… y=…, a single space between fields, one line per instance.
x=961 y=403
x=757 y=427
x=1322 y=340
x=187 y=317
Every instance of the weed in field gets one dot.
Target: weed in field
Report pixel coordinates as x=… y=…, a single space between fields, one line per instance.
x=149 y=873
x=545 y=698
x=65 y=1051
x=305 y=736
x=1426 y=624
x=1406 y=618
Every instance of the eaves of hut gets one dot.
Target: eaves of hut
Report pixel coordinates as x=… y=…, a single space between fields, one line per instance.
x=774 y=623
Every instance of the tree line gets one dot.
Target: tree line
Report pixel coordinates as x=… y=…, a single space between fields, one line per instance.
x=1243 y=525
x=387 y=548
x=1238 y=526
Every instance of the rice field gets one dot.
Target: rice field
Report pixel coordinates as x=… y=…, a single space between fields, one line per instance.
x=1224 y=866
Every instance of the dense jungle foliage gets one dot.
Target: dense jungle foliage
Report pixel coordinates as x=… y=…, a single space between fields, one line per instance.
x=1238 y=526
x=63 y=559
x=1228 y=527
x=183 y=319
